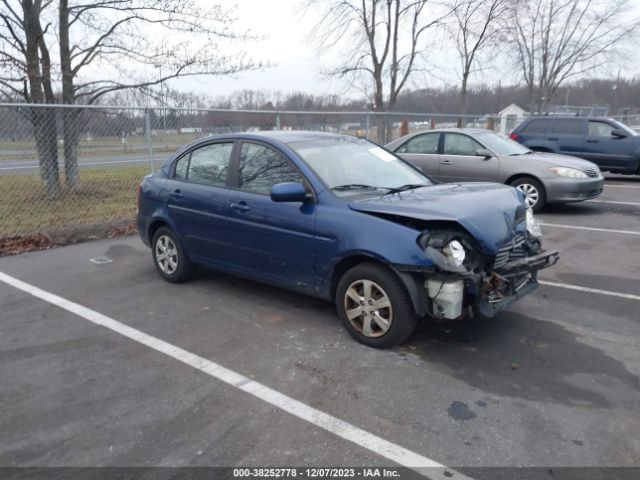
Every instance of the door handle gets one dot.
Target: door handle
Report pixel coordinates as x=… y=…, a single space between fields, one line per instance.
x=177 y=194
x=445 y=162
x=241 y=206
x=592 y=141
x=552 y=138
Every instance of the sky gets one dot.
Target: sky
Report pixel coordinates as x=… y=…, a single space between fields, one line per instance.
x=295 y=65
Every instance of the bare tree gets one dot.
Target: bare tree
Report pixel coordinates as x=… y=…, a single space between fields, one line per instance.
x=475 y=28
x=556 y=40
x=380 y=42
x=25 y=72
x=139 y=44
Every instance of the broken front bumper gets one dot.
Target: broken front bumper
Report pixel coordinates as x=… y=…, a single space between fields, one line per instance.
x=512 y=281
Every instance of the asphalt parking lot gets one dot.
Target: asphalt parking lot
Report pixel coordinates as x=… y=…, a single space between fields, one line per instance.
x=553 y=381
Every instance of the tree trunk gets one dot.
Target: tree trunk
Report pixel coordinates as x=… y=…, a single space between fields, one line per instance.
x=43 y=119
x=385 y=129
x=44 y=127
x=72 y=128
x=462 y=123
x=70 y=117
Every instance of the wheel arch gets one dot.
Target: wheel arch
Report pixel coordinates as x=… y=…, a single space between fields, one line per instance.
x=154 y=225
x=516 y=176
x=409 y=280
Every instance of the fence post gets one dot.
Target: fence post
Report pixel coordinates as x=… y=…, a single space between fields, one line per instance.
x=367 y=125
x=147 y=127
x=278 y=121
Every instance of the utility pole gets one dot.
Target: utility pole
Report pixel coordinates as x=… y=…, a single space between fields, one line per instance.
x=615 y=88
x=163 y=112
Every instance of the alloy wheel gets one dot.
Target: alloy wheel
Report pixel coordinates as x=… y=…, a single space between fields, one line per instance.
x=166 y=254
x=368 y=308
x=531 y=192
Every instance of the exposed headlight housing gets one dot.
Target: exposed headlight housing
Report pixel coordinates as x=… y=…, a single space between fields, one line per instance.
x=451 y=250
x=568 y=172
x=450 y=258
x=533 y=224
x=455 y=251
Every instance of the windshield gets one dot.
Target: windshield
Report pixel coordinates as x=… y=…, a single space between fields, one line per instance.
x=500 y=144
x=626 y=128
x=350 y=166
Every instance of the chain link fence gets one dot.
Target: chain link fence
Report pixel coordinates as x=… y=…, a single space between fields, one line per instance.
x=70 y=173
x=632 y=120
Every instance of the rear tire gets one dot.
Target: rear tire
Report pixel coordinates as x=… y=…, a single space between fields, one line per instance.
x=168 y=256
x=533 y=189
x=374 y=306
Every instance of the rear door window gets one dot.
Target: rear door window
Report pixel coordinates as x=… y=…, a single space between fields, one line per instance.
x=208 y=164
x=567 y=126
x=539 y=125
x=421 y=144
x=458 y=144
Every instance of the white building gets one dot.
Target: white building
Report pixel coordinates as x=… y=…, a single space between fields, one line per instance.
x=510 y=117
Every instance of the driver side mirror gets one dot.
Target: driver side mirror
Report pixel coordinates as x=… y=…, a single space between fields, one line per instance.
x=618 y=133
x=289 y=192
x=483 y=152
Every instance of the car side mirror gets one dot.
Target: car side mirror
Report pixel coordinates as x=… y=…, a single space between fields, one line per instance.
x=618 y=133
x=289 y=192
x=483 y=152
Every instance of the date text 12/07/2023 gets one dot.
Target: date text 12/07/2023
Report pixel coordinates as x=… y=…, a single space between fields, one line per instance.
x=319 y=472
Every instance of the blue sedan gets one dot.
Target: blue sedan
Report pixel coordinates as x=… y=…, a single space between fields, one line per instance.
x=344 y=220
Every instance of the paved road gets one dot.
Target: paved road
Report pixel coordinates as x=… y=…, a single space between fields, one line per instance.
x=553 y=381
x=12 y=167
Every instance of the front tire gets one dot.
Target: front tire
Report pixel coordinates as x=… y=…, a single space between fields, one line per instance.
x=534 y=191
x=374 y=306
x=168 y=256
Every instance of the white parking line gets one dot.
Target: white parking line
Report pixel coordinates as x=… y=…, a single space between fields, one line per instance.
x=628 y=296
x=620 y=186
x=635 y=204
x=345 y=430
x=593 y=229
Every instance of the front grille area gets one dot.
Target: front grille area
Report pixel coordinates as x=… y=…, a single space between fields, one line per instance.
x=511 y=250
x=591 y=172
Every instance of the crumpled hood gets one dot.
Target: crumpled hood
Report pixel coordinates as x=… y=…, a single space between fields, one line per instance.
x=486 y=210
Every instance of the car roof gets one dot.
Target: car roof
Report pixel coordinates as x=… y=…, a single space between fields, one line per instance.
x=274 y=137
x=460 y=130
x=290 y=136
x=271 y=136
x=567 y=117
x=469 y=131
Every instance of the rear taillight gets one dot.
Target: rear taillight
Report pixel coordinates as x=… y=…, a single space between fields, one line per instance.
x=514 y=136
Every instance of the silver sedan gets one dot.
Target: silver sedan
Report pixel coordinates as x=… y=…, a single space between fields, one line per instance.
x=476 y=155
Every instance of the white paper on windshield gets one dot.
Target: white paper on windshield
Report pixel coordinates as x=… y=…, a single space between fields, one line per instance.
x=382 y=154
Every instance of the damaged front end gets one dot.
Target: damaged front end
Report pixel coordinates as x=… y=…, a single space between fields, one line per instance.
x=466 y=280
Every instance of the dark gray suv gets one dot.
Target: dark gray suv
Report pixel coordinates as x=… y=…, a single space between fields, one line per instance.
x=611 y=145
